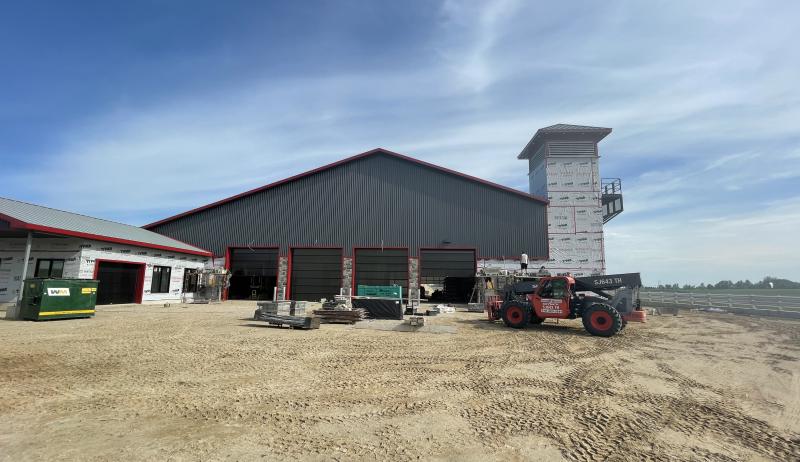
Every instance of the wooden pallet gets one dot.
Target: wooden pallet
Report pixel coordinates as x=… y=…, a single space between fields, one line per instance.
x=295 y=322
x=340 y=316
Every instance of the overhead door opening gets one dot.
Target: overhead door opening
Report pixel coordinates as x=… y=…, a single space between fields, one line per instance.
x=254 y=273
x=315 y=274
x=381 y=267
x=447 y=275
x=119 y=282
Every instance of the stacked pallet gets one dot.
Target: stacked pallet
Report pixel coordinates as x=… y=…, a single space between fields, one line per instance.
x=340 y=316
x=285 y=313
x=291 y=321
x=283 y=307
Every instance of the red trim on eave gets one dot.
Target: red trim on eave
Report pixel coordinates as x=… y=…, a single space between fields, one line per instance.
x=338 y=163
x=97 y=237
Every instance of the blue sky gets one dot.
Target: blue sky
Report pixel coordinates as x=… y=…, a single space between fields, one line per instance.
x=134 y=111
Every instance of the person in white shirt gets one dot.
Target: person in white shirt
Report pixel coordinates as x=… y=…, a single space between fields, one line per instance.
x=523 y=261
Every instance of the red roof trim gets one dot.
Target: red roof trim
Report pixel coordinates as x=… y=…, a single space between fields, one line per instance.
x=341 y=162
x=65 y=232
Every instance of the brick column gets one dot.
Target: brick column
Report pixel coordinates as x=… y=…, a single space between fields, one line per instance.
x=347 y=275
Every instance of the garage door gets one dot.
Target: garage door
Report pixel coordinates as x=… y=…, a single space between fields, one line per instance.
x=316 y=274
x=254 y=274
x=376 y=267
x=447 y=275
x=119 y=283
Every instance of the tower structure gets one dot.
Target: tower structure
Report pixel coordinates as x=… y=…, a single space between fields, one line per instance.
x=563 y=165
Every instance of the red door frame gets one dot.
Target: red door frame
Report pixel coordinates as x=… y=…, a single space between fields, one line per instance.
x=408 y=256
x=139 y=276
x=246 y=246
x=290 y=264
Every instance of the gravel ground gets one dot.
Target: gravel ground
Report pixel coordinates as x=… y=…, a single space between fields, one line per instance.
x=204 y=382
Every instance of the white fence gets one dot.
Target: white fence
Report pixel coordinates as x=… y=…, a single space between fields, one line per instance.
x=759 y=305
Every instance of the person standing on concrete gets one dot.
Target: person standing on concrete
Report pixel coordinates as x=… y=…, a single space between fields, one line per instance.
x=523 y=262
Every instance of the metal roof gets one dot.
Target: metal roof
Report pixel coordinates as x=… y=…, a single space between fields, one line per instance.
x=372 y=152
x=25 y=216
x=563 y=131
x=573 y=128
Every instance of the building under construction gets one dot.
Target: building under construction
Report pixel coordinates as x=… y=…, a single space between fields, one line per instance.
x=382 y=218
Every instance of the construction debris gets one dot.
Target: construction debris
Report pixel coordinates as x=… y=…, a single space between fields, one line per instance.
x=340 y=316
x=416 y=321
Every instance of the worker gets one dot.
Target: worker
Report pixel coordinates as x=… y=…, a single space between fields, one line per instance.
x=543 y=271
x=523 y=262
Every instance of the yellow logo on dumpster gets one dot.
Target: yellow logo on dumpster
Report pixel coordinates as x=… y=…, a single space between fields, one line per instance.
x=88 y=290
x=58 y=292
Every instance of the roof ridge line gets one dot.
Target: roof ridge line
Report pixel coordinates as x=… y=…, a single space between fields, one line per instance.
x=336 y=164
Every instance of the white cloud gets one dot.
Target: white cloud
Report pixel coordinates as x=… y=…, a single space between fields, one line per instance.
x=702 y=99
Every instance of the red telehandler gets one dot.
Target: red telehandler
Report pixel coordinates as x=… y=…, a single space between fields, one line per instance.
x=565 y=297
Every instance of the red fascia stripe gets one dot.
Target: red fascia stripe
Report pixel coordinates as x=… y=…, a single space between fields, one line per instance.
x=97 y=237
x=341 y=162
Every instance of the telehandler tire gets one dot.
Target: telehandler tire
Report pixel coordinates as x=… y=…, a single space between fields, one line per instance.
x=516 y=314
x=602 y=320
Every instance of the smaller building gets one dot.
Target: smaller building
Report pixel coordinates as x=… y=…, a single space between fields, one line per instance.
x=132 y=264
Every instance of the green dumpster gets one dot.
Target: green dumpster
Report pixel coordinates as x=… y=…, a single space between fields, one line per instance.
x=45 y=299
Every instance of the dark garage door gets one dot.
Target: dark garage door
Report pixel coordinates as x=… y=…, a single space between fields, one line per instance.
x=376 y=267
x=254 y=274
x=453 y=270
x=119 y=283
x=316 y=274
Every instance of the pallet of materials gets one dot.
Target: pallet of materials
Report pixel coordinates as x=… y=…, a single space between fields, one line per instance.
x=296 y=322
x=283 y=307
x=340 y=316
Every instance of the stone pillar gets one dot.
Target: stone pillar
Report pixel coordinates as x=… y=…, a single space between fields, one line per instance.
x=413 y=278
x=347 y=275
x=283 y=276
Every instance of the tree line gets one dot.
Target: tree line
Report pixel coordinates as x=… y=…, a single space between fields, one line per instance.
x=777 y=283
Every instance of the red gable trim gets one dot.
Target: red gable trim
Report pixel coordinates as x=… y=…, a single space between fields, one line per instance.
x=345 y=161
x=17 y=224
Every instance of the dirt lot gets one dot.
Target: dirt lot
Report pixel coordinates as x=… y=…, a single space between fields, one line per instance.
x=202 y=382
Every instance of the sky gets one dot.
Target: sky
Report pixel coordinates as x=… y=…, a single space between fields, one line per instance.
x=135 y=111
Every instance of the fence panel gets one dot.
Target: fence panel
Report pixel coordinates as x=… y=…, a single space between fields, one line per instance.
x=759 y=305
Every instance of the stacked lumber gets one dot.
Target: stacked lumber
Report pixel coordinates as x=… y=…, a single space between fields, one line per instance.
x=340 y=316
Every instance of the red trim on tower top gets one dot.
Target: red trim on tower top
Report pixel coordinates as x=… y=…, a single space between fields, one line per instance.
x=342 y=162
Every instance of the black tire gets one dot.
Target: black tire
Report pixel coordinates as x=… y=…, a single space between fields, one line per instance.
x=516 y=314
x=602 y=320
x=624 y=324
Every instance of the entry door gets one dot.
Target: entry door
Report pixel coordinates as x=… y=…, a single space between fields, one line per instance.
x=452 y=270
x=254 y=274
x=119 y=283
x=316 y=274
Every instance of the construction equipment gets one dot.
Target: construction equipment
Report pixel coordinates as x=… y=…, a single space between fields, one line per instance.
x=564 y=297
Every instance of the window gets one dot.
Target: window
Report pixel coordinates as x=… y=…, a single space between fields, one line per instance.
x=49 y=268
x=546 y=289
x=559 y=288
x=189 y=280
x=161 y=275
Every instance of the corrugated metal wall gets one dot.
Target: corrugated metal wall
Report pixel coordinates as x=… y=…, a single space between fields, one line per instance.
x=373 y=201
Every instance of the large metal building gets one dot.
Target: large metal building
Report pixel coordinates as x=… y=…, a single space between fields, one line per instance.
x=377 y=218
